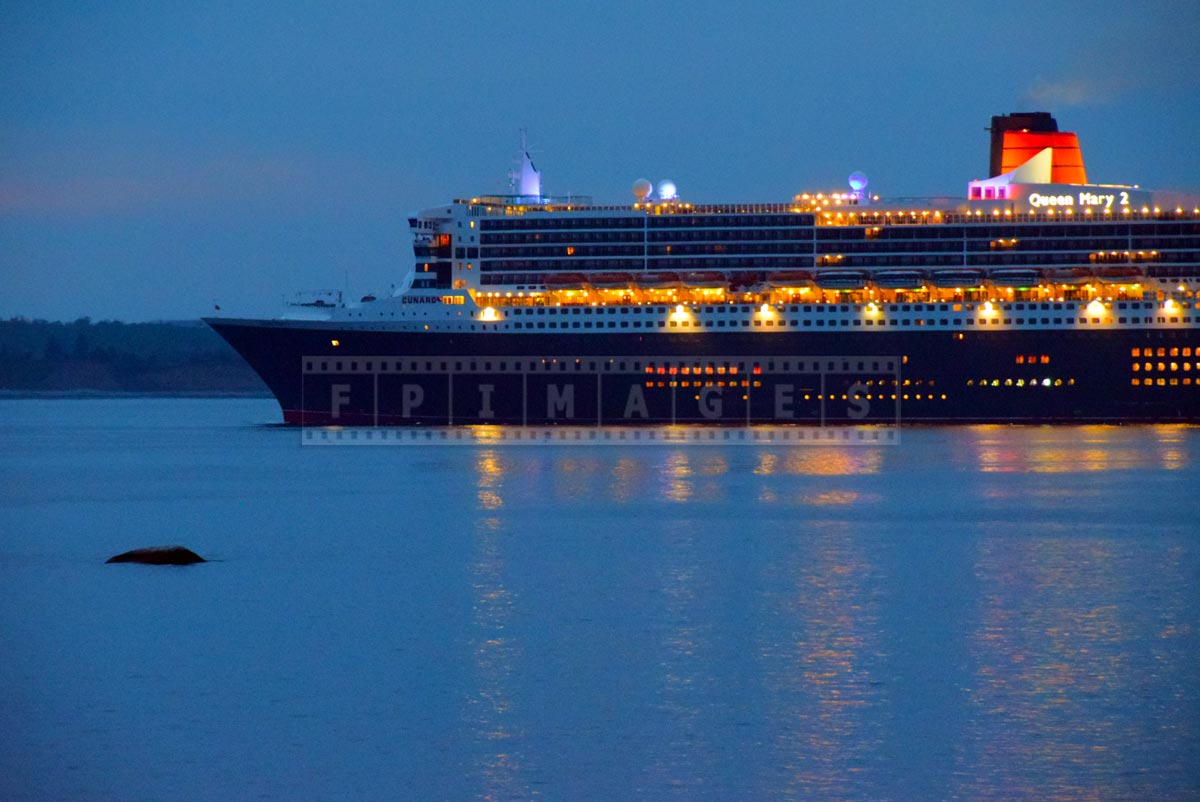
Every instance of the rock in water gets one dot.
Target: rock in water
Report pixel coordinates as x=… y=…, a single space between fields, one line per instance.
x=159 y=555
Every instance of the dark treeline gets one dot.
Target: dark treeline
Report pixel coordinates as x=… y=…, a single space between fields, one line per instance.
x=183 y=357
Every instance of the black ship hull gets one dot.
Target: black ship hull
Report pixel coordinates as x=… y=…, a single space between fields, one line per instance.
x=392 y=378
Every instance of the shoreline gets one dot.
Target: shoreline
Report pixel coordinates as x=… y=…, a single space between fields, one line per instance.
x=16 y=395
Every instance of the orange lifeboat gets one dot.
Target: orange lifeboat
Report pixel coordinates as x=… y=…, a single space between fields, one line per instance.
x=898 y=279
x=1123 y=274
x=841 y=279
x=705 y=281
x=658 y=281
x=790 y=278
x=956 y=278
x=1016 y=277
x=564 y=281
x=610 y=281
x=1069 y=275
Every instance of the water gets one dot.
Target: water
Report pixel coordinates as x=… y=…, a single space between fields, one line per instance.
x=977 y=613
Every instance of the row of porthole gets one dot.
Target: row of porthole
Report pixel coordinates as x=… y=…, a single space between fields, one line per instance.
x=1161 y=382
x=1020 y=382
x=1163 y=366
x=1160 y=351
x=835 y=396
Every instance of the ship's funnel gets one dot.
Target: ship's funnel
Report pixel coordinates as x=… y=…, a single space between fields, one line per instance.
x=1018 y=137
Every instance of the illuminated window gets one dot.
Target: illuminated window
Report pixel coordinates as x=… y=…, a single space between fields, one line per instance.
x=1136 y=352
x=1021 y=360
x=1135 y=382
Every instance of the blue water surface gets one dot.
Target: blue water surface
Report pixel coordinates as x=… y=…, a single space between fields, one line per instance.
x=976 y=613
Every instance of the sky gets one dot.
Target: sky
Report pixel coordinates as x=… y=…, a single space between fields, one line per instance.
x=158 y=159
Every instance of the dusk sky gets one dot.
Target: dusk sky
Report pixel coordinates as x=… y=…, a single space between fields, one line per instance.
x=158 y=158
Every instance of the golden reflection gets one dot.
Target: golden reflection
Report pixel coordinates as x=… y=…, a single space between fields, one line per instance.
x=1051 y=641
x=627 y=477
x=687 y=753
x=818 y=668
x=1172 y=451
x=713 y=464
x=768 y=463
x=838 y=498
x=495 y=653
x=677 y=477
x=490 y=470
x=1078 y=449
x=834 y=461
x=575 y=475
x=823 y=461
x=692 y=474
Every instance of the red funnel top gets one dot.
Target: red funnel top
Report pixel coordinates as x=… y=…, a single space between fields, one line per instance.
x=1066 y=159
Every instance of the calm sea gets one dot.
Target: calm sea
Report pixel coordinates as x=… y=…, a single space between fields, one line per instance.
x=982 y=613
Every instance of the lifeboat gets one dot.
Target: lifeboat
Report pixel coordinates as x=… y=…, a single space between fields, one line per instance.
x=658 y=281
x=790 y=278
x=1069 y=275
x=963 y=277
x=1124 y=274
x=705 y=281
x=564 y=281
x=898 y=279
x=841 y=279
x=610 y=281
x=1016 y=277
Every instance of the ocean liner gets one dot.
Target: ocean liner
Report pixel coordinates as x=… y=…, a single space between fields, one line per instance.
x=1036 y=297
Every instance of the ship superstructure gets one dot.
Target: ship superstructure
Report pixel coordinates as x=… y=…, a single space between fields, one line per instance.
x=1037 y=296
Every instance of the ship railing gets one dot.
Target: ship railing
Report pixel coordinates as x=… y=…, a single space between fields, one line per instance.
x=480 y=208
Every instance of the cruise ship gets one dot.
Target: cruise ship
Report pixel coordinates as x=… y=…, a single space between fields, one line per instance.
x=1035 y=297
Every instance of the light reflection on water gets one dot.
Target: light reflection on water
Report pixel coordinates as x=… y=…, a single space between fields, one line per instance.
x=982 y=613
x=684 y=759
x=1076 y=449
x=1059 y=703
x=1053 y=695
x=491 y=710
x=817 y=661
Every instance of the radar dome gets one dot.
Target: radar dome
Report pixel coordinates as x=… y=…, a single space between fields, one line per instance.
x=667 y=190
x=642 y=189
x=858 y=181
